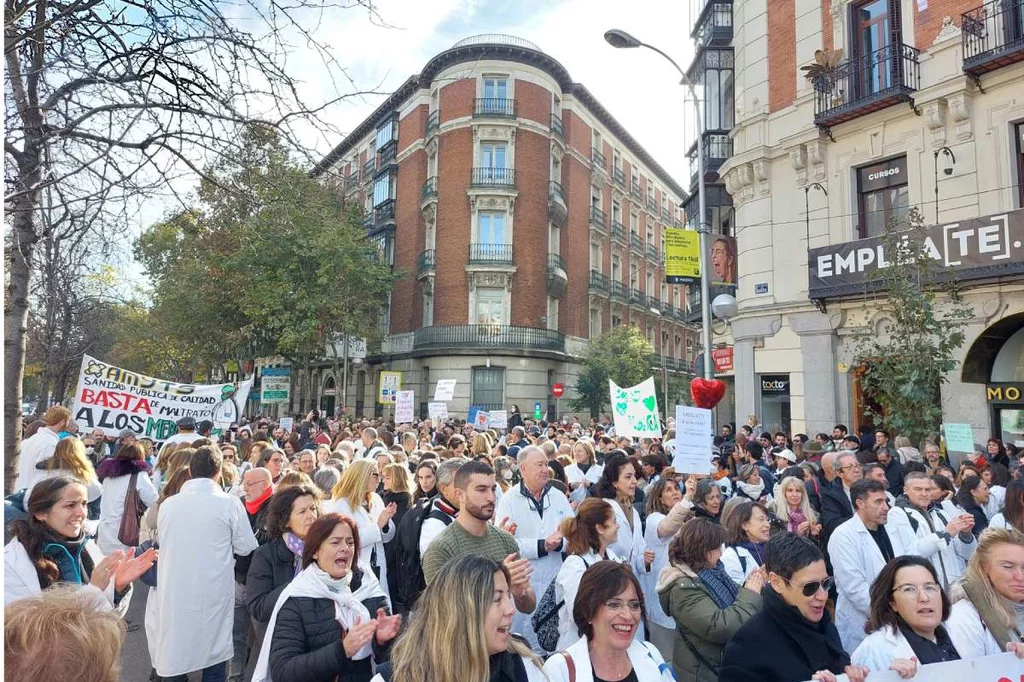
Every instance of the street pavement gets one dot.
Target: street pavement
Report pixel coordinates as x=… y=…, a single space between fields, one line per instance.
x=135 y=663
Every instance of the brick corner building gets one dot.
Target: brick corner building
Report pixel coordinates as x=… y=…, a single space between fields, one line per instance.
x=526 y=221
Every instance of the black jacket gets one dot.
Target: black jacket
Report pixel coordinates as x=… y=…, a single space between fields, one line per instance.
x=835 y=508
x=258 y=523
x=272 y=568
x=307 y=645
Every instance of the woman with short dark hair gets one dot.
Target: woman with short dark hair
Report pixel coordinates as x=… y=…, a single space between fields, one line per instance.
x=707 y=605
x=747 y=529
x=972 y=497
x=608 y=611
x=908 y=608
x=707 y=502
x=331 y=618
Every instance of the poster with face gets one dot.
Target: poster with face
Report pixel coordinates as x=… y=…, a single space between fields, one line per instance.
x=723 y=260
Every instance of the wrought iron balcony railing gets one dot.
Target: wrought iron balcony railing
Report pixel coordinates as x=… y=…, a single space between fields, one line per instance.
x=992 y=36
x=495 y=106
x=429 y=188
x=492 y=254
x=598 y=282
x=488 y=336
x=425 y=262
x=865 y=84
x=490 y=177
x=556 y=125
x=433 y=122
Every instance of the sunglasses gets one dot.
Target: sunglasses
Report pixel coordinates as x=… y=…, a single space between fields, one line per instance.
x=811 y=588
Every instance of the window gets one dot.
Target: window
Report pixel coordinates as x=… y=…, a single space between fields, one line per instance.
x=616 y=268
x=650 y=235
x=490 y=306
x=616 y=321
x=595 y=256
x=428 y=309
x=552 y=316
x=495 y=87
x=383 y=188
x=1019 y=130
x=882 y=196
x=873 y=32
x=554 y=239
x=634 y=222
x=488 y=389
x=617 y=212
x=617 y=160
x=493 y=161
x=387 y=132
x=491 y=228
x=596 y=141
x=595 y=322
x=634 y=276
x=595 y=199
x=664 y=292
x=650 y=284
x=716 y=70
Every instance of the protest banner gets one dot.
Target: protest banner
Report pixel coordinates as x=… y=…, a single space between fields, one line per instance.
x=959 y=437
x=287 y=423
x=499 y=419
x=390 y=385
x=404 y=407
x=111 y=399
x=444 y=391
x=692 y=453
x=635 y=410
x=438 y=413
x=275 y=384
x=481 y=420
x=997 y=668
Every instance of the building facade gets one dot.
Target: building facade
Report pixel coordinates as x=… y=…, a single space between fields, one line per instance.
x=525 y=221
x=915 y=103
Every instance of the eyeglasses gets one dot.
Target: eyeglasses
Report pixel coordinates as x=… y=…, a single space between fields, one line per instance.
x=811 y=588
x=852 y=467
x=932 y=590
x=618 y=605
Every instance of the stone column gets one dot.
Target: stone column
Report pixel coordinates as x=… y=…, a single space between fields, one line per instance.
x=746 y=333
x=822 y=381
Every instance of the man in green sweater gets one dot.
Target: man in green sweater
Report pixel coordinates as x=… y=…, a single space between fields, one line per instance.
x=471 y=533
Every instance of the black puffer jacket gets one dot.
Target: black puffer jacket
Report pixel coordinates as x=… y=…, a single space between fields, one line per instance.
x=271 y=569
x=307 y=646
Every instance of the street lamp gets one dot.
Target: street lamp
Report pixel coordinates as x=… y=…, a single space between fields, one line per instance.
x=948 y=170
x=620 y=39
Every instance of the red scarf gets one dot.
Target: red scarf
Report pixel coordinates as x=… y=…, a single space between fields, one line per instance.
x=254 y=506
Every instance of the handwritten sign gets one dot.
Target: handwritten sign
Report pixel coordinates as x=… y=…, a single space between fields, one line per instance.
x=438 y=413
x=404 y=407
x=692 y=453
x=499 y=419
x=445 y=390
x=635 y=409
x=288 y=423
x=959 y=437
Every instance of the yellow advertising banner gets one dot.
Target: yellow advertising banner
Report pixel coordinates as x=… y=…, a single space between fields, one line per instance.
x=682 y=256
x=390 y=385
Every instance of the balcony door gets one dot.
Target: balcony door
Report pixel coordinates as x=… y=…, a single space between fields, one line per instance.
x=873 y=50
x=493 y=159
x=492 y=239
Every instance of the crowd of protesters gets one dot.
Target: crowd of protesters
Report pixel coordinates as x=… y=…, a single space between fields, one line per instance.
x=358 y=550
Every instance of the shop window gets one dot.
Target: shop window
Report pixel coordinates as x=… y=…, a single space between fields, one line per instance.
x=882 y=196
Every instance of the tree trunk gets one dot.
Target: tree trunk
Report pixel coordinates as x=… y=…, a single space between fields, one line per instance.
x=24 y=237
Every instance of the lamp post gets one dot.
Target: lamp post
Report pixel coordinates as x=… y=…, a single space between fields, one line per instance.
x=807 y=209
x=620 y=39
x=948 y=170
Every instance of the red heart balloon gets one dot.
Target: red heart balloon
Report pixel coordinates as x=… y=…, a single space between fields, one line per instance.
x=707 y=392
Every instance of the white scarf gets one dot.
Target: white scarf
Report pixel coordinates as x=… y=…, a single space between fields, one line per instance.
x=752 y=491
x=313 y=582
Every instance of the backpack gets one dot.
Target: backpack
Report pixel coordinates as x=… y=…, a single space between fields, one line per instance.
x=545 y=617
x=407 y=554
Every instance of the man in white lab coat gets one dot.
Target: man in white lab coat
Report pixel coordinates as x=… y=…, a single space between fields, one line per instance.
x=533 y=513
x=860 y=547
x=40 y=446
x=200 y=530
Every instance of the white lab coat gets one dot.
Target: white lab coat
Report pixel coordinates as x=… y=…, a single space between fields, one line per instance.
x=949 y=557
x=739 y=563
x=999 y=521
x=115 y=489
x=856 y=562
x=532 y=528
x=371 y=536
x=33 y=451
x=21 y=579
x=880 y=648
x=575 y=475
x=968 y=634
x=996 y=501
x=647 y=661
x=533 y=673
x=199 y=530
x=180 y=437
x=566 y=586
x=649 y=579
x=630 y=543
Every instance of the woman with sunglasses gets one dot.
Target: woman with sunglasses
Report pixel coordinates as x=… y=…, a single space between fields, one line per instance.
x=904 y=624
x=793 y=636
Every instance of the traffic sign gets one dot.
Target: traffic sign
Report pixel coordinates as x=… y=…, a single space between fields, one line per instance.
x=557 y=390
x=536 y=411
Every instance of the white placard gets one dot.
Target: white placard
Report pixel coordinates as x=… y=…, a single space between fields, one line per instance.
x=635 y=409
x=693 y=441
x=499 y=419
x=482 y=420
x=438 y=411
x=445 y=390
x=405 y=407
x=998 y=668
x=287 y=423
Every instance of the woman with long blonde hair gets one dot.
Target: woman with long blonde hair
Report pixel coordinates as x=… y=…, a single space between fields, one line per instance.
x=792 y=506
x=481 y=445
x=70 y=459
x=355 y=496
x=161 y=472
x=440 y=648
x=988 y=603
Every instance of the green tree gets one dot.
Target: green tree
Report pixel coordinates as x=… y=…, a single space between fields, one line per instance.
x=907 y=359
x=623 y=355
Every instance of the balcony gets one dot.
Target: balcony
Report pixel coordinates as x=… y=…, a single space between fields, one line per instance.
x=619 y=177
x=558 y=278
x=637 y=298
x=654 y=304
x=384 y=214
x=557 y=209
x=713 y=27
x=368 y=221
x=652 y=252
x=429 y=189
x=556 y=126
x=425 y=263
x=490 y=254
x=862 y=85
x=652 y=205
x=716 y=149
x=499 y=107
x=386 y=155
x=433 y=123
x=352 y=181
x=666 y=214
x=597 y=160
x=598 y=284
x=619 y=233
x=598 y=219
x=618 y=291
x=369 y=168
x=494 y=177
x=469 y=337
x=634 y=190
x=636 y=245
x=992 y=36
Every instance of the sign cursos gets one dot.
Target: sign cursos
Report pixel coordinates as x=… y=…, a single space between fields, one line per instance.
x=977 y=248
